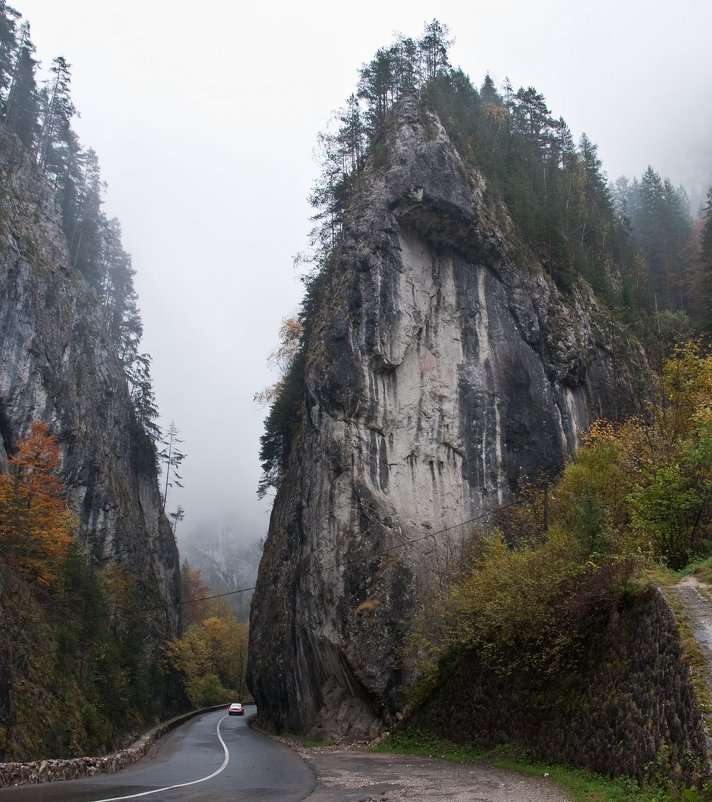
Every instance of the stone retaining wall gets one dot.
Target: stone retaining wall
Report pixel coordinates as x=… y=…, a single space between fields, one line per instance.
x=628 y=708
x=42 y=771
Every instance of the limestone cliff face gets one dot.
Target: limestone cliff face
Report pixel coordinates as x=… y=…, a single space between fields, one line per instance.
x=444 y=366
x=57 y=366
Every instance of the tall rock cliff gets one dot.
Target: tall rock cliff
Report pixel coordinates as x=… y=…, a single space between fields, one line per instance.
x=443 y=367
x=57 y=366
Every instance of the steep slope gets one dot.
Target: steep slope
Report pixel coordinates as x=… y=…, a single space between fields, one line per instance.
x=444 y=366
x=56 y=365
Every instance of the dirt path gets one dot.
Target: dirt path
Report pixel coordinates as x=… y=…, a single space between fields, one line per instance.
x=352 y=776
x=695 y=603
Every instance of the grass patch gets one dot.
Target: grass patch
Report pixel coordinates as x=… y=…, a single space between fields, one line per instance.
x=409 y=742
x=657 y=575
x=583 y=786
x=307 y=743
x=702 y=569
x=579 y=785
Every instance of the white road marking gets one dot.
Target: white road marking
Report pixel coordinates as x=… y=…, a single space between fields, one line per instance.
x=179 y=785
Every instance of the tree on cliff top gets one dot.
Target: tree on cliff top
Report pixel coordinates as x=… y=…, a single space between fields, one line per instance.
x=171 y=458
x=21 y=107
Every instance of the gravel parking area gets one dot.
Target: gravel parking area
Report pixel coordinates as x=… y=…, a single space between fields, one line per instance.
x=352 y=776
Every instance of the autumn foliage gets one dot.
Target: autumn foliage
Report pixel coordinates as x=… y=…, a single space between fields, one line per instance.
x=636 y=496
x=36 y=524
x=211 y=656
x=646 y=486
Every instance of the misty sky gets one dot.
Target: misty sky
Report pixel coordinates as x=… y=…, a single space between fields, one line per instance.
x=205 y=115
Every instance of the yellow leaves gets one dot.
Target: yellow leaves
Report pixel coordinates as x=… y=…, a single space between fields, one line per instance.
x=290 y=338
x=639 y=487
x=191 y=653
x=227 y=639
x=212 y=653
x=36 y=524
x=514 y=602
x=497 y=113
x=687 y=387
x=211 y=657
x=368 y=606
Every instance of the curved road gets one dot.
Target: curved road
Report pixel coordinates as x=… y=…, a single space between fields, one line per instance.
x=210 y=758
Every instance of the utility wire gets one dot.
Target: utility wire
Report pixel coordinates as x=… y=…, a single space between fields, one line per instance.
x=166 y=605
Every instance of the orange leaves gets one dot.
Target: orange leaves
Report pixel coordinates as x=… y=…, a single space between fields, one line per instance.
x=35 y=523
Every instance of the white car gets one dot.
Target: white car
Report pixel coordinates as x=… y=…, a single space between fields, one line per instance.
x=236 y=709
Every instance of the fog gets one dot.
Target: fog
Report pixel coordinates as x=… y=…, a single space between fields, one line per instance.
x=205 y=116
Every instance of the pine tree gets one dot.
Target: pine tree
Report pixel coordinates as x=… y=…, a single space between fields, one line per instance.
x=8 y=44
x=22 y=105
x=407 y=73
x=377 y=87
x=661 y=227
x=704 y=293
x=84 y=219
x=171 y=458
x=489 y=93
x=57 y=111
x=176 y=516
x=433 y=47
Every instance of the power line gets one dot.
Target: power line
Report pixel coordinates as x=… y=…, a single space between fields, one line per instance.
x=165 y=606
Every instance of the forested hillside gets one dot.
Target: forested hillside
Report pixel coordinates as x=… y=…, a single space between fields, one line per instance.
x=89 y=574
x=41 y=117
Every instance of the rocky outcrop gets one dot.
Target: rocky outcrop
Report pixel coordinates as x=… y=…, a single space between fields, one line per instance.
x=56 y=365
x=444 y=365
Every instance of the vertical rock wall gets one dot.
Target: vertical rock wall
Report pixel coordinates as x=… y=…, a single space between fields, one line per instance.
x=443 y=367
x=57 y=366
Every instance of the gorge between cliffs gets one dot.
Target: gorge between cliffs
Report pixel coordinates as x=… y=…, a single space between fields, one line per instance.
x=486 y=443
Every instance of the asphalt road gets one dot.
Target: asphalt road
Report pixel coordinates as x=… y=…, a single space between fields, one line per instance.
x=211 y=758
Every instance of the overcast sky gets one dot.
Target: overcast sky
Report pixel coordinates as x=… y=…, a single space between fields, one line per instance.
x=205 y=115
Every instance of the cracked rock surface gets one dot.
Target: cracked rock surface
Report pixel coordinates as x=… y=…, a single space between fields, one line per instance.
x=58 y=366
x=444 y=366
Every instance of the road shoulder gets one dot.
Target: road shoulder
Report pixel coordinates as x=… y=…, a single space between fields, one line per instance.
x=356 y=775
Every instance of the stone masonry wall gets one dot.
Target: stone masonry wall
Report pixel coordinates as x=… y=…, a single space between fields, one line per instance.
x=44 y=771
x=628 y=708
